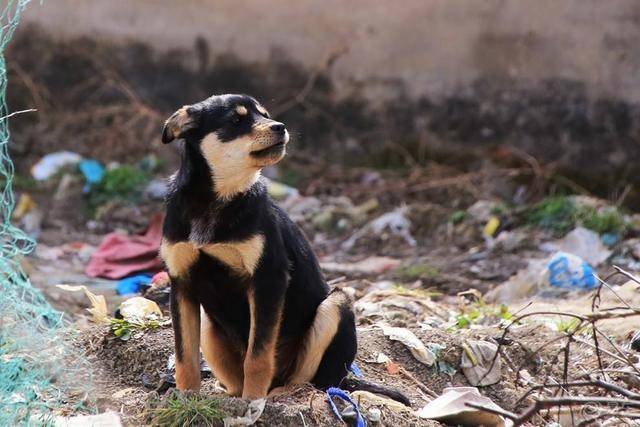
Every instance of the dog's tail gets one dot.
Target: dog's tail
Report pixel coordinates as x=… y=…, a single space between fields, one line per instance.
x=352 y=384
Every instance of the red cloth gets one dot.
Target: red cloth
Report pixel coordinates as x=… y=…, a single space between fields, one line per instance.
x=120 y=256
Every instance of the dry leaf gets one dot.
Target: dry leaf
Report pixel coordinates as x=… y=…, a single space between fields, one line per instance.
x=98 y=303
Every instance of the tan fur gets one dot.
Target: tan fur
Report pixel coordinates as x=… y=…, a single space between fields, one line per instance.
x=232 y=168
x=242 y=110
x=179 y=122
x=178 y=257
x=319 y=336
x=188 y=369
x=225 y=363
x=260 y=367
x=261 y=110
x=242 y=257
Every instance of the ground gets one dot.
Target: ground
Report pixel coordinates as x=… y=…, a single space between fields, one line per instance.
x=437 y=289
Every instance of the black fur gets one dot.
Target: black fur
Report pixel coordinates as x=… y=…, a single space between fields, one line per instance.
x=287 y=275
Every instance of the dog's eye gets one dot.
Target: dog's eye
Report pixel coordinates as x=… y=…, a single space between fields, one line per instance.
x=237 y=118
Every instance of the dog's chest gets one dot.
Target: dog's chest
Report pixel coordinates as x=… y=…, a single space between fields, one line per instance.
x=241 y=256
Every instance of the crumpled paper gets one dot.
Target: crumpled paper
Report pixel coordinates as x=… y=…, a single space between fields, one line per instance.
x=451 y=408
x=254 y=411
x=413 y=343
x=477 y=357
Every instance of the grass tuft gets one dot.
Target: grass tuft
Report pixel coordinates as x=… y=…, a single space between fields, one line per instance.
x=185 y=409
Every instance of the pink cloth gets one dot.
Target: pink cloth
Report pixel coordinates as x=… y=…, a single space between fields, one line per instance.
x=120 y=256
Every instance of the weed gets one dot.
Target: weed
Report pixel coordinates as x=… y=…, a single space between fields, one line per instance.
x=555 y=214
x=457 y=217
x=185 y=409
x=479 y=312
x=123 y=329
x=569 y=326
x=123 y=183
x=561 y=214
x=605 y=220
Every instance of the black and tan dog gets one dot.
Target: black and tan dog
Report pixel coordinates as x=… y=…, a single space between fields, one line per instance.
x=246 y=287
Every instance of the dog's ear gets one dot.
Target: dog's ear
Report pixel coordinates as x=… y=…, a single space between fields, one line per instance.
x=180 y=122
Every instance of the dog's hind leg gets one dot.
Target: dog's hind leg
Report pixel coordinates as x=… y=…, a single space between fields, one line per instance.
x=225 y=362
x=330 y=345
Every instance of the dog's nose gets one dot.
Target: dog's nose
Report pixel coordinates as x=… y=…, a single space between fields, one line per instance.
x=277 y=127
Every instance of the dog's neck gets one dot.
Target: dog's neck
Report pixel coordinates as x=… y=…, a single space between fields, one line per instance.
x=205 y=187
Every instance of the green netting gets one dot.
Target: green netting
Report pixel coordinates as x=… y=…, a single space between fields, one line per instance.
x=37 y=366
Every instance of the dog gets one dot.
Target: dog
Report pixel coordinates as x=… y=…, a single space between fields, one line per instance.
x=246 y=288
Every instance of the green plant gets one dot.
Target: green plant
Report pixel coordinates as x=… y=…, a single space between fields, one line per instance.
x=604 y=220
x=457 y=217
x=479 y=312
x=569 y=326
x=556 y=214
x=561 y=214
x=185 y=409
x=123 y=329
x=123 y=183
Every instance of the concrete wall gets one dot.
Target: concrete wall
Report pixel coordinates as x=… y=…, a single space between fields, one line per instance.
x=436 y=46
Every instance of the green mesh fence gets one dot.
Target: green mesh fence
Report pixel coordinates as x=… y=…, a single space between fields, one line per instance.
x=37 y=365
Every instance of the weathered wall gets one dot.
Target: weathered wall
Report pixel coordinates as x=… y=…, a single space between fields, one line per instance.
x=436 y=46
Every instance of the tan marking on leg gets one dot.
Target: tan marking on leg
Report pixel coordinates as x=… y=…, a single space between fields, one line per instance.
x=260 y=367
x=242 y=257
x=188 y=368
x=318 y=338
x=225 y=362
x=178 y=257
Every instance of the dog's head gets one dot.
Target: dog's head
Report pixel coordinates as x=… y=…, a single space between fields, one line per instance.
x=235 y=135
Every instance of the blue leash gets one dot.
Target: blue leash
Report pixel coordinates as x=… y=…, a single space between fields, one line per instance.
x=336 y=392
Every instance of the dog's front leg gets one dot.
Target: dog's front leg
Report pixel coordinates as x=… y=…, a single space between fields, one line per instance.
x=265 y=306
x=185 y=314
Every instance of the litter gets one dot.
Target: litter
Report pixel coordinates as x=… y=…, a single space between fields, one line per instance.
x=25 y=204
x=133 y=284
x=254 y=411
x=51 y=163
x=106 y=419
x=92 y=171
x=139 y=309
x=371 y=399
x=451 y=408
x=98 y=303
x=491 y=227
x=477 y=360
x=413 y=343
x=568 y=271
x=371 y=265
x=160 y=279
x=395 y=221
x=336 y=392
x=583 y=243
x=562 y=271
x=119 y=256
x=374 y=415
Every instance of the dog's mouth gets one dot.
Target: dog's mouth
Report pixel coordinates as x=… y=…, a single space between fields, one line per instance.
x=271 y=150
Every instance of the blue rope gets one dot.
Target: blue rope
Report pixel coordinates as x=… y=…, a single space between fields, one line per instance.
x=339 y=393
